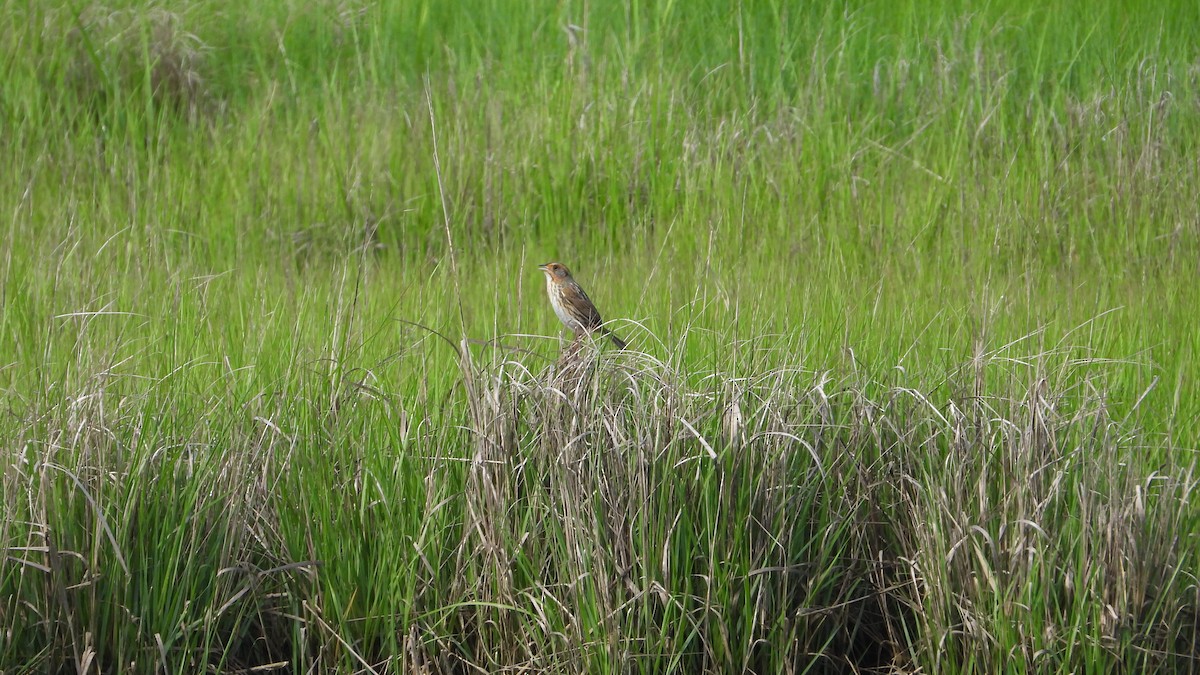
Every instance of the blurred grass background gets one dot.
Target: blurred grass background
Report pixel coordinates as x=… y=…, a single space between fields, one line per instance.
x=220 y=218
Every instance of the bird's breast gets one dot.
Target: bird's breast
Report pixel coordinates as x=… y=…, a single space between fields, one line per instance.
x=556 y=290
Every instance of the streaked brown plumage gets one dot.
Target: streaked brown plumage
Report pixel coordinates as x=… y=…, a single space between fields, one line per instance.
x=573 y=307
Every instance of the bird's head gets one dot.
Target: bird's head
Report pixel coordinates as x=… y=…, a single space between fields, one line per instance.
x=556 y=271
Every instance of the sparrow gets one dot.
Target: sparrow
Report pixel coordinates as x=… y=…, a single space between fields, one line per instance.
x=573 y=307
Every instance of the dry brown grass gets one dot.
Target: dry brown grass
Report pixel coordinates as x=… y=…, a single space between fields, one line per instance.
x=117 y=53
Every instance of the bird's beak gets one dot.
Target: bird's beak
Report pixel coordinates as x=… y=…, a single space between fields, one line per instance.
x=543 y=267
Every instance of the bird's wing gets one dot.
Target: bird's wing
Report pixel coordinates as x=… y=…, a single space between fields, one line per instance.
x=582 y=307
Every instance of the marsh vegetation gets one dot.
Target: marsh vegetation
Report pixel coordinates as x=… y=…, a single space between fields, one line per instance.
x=910 y=292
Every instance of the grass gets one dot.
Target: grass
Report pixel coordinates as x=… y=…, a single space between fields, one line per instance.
x=911 y=291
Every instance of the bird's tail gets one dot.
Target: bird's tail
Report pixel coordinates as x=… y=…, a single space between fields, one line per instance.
x=613 y=336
